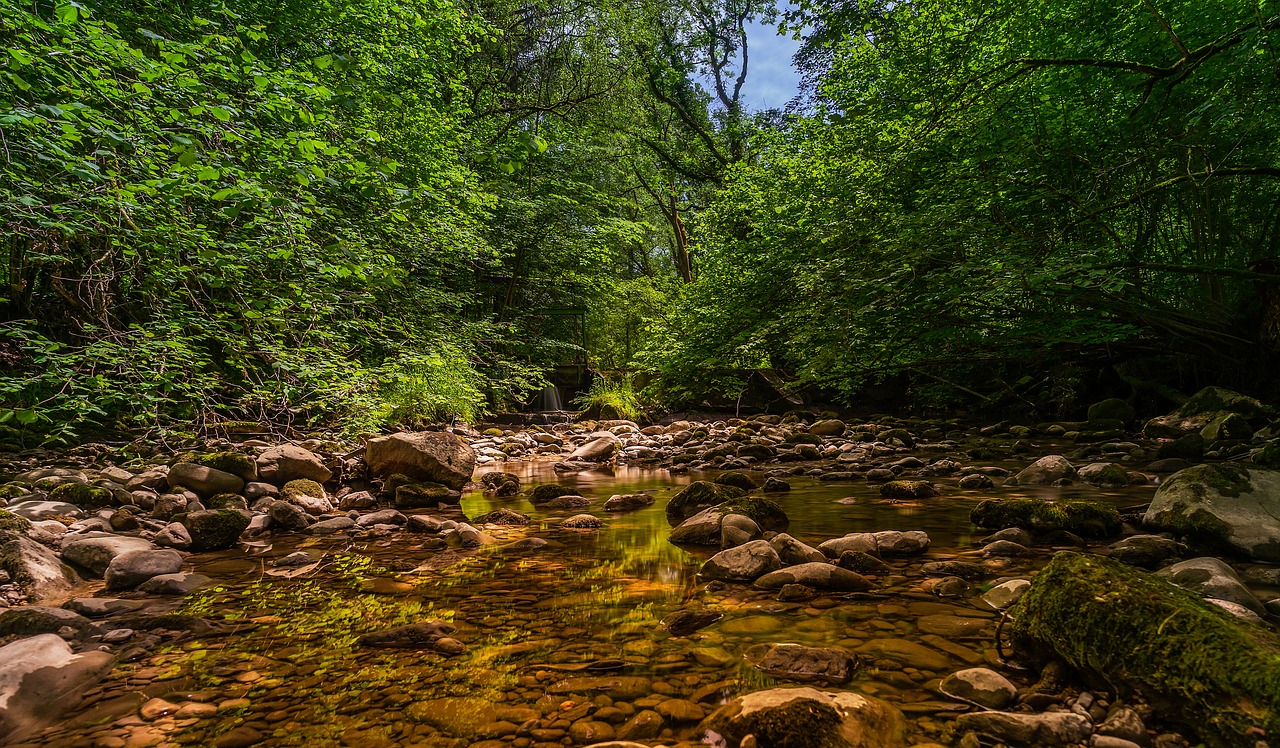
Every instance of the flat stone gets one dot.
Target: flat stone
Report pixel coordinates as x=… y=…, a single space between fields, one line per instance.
x=980 y=686
x=1051 y=730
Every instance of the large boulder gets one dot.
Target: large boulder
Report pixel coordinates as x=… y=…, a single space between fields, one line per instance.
x=1046 y=470
x=433 y=456
x=41 y=679
x=36 y=570
x=1203 y=407
x=205 y=481
x=785 y=717
x=797 y=662
x=829 y=427
x=744 y=563
x=128 y=570
x=1215 y=674
x=1226 y=506
x=1212 y=579
x=601 y=448
x=1052 y=730
x=279 y=465
x=95 y=553
x=698 y=496
x=215 y=529
x=816 y=574
x=707 y=527
x=1088 y=519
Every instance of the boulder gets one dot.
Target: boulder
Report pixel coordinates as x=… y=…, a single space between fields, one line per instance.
x=628 y=502
x=548 y=492
x=736 y=479
x=181 y=583
x=1203 y=407
x=1051 y=730
x=81 y=495
x=582 y=522
x=130 y=569
x=1105 y=474
x=829 y=427
x=896 y=543
x=698 y=496
x=908 y=489
x=737 y=529
x=288 y=517
x=1148 y=551
x=42 y=679
x=33 y=509
x=1216 y=675
x=423 y=495
x=744 y=563
x=279 y=465
x=1212 y=579
x=986 y=688
x=95 y=553
x=1111 y=409
x=433 y=456
x=1046 y=470
x=818 y=575
x=600 y=449
x=215 y=529
x=705 y=527
x=205 y=481
x=37 y=571
x=807 y=664
x=29 y=620
x=792 y=552
x=808 y=717
x=1006 y=594
x=1226 y=506
x=1087 y=519
x=863 y=542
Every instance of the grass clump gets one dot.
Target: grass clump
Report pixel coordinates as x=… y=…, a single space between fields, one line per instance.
x=609 y=399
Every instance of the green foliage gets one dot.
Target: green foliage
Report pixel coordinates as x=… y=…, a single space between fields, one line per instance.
x=610 y=398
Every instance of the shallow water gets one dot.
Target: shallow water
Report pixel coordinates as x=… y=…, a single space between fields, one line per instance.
x=285 y=666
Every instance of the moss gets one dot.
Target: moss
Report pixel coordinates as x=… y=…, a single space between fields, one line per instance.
x=81 y=495
x=697 y=496
x=736 y=479
x=548 y=491
x=908 y=489
x=302 y=487
x=1085 y=518
x=419 y=495
x=1214 y=399
x=801 y=723
x=767 y=514
x=237 y=464
x=1228 y=480
x=11 y=560
x=1217 y=675
x=803 y=438
x=227 y=501
x=214 y=529
x=495 y=478
x=11 y=521
x=13 y=491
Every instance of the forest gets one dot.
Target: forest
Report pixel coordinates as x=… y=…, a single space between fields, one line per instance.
x=359 y=213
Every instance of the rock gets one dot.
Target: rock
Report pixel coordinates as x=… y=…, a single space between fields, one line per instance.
x=132 y=568
x=863 y=542
x=1201 y=408
x=101 y=607
x=1147 y=551
x=1085 y=518
x=792 y=551
x=423 y=495
x=737 y=480
x=829 y=427
x=255 y=490
x=358 y=500
x=288 y=517
x=423 y=523
x=893 y=542
x=617 y=687
x=1124 y=724
x=806 y=716
x=1226 y=506
x=41 y=679
x=628 y=502
x=37 y=571
x=1112 y=409
x=1211 y=578
x=680 y=710
x=502 y=516
x=775 y=485
x=181 y=583
x=645 y=724
x=215 y=529
x=288 y=462
x=81 y=495
x=737 y=529
x=1189 y=447
x=976 y=481
x=548 y=492
x=819 y=575
x=704 y=528
x=807 y=664
x=38 y=510
x=1050 y=730
x=600 y=449
x=908 y=489
x=582 y=522
x=1046 y=470
x=1099 y=615
x=433 y=456
x=1227 y=427
x=962 y=569
x=986 y=688
x=1105 y=474
x=331 y=526
x=29 y=620
x=862 y=563
x=698 y=496
x=1005 y=548
x=205 y=481
x=384 y=517
x=95 y=553
x=1005 y=594
x=686 y=621
x=434 y=635
x=239 y=465
x=745 y=563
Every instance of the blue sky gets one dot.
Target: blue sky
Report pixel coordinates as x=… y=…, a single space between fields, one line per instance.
x=771 y=79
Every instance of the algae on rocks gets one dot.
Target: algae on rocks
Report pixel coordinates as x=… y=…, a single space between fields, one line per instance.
x=1085 y=518
x=1198 y=664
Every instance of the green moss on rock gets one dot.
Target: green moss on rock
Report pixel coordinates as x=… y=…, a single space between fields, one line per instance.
x=548 y=491
x=302 y=487
x=81 y=495
x=227 y=501
x=13 y=490
x=908 y=489
x=240 y=465
x=697 y=496
x=767 y=514
x=11 y=521
x=1088 y=519
x=1217 y=675
x=214 y=529
x=737 y=479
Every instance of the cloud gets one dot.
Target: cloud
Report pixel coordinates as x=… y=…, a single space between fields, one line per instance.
x=772 y=80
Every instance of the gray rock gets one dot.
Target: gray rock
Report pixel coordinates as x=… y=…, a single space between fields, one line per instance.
x=1224 y=505
x=182 y=583
x=744 y=563
x=331 y=526
x=1007 y=593
x=792 y=552
x=856 y=541
x=258 y=490
x=1005 y=548
x=1046 y=470
x=737 y=529
x=433 y=456
x=288 y=517
x=423 y=523
x=357 y=500
x=842 y=719
x=583 y=522
x=980 y=686
x=29 y=620
x=1050 y=730
x=893 y=542
x=215 y=529
x=205 y=481
x=807 y=664
x=174 y=535
x=600 y=449
x=628 y=502
x=279 y=465
x=1148 y=551
x=36 y=570
x=383 y=517
x=101 y=607
x=829 y=427
x=132 y=568
x=1211 y=578
x=819 y=575
x=35 y=510
x=41 y=679
x=1125 y=724
x=95 y=553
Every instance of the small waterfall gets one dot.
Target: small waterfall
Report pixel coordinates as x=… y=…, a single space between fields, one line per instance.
x=550 y=398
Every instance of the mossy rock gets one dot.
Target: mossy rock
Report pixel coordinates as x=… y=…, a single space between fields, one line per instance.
x=1200 y=666
x=549 y=491
x=697 y=496
x=11 y=521
x=908 y=489
x=227 y=501
x=495 y=478
x=240 y=465
x=1223 y=505
x=807 y=718
x=737 y=479
x=214 y=529
x=1227 y=427
x=13 y=491
x=767 y=514
x=421 y=495
x=802 y=437
x=1215 y=399
x=1087 y=519
x=1112 y=409
x=302 y=487
x=82 y=495
x=756 y=451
